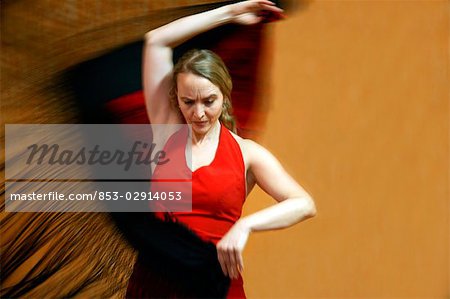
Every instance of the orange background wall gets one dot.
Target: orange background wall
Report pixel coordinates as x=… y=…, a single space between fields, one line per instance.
x=359 y=114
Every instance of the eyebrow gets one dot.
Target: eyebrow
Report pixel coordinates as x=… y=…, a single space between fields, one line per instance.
x=211 y=96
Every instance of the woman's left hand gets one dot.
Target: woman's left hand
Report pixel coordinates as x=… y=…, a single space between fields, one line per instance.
x=230 y=248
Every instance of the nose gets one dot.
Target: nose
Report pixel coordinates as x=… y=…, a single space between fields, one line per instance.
x=199 y=111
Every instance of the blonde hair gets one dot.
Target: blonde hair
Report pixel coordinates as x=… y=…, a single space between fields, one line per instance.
x=206 y=64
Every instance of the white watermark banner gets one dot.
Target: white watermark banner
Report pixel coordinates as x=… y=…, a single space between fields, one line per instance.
x=98 y=168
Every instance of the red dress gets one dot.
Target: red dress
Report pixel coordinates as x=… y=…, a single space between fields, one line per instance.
x=218 y=194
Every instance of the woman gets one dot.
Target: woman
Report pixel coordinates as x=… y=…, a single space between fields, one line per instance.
x=225 y=167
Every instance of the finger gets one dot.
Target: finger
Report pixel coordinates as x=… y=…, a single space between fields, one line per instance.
x=237 y=262
x=240 y=261
x=222 y=262
x=226 y=262
x=233 y=266
x=266 y=2
x=271 y=8
x=230 y=263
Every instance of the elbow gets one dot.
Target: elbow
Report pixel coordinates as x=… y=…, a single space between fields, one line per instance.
x=154 y=38
x=309 y=208
x=312 y=210
x=150 y=38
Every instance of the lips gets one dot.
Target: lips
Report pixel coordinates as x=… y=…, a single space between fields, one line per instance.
x=200 y=123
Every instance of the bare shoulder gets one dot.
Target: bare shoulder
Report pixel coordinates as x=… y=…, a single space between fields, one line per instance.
x=251 y=150
x=244 y=144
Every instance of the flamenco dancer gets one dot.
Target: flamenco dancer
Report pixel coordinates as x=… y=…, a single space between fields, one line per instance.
x=225 y=167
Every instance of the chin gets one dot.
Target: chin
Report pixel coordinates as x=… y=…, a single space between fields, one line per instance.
x=201 y=129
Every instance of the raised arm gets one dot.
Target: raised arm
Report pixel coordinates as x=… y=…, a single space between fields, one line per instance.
x=159 y=44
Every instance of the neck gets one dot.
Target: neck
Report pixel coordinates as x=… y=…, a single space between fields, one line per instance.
x=210 y=135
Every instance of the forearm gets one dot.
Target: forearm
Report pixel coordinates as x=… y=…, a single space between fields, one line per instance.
x=178 y=31
x=280 y=215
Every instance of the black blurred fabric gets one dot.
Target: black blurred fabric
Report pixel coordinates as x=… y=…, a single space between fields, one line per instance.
x=172 y=260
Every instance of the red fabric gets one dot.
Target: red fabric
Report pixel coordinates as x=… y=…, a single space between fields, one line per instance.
x=129 y=108
x=242 y=52
x=218 y=194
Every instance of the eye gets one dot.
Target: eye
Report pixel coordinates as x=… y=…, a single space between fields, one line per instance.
x=209 y=102
x=188 y=102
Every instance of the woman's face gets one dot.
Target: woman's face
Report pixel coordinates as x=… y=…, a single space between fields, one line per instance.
x=200 y=102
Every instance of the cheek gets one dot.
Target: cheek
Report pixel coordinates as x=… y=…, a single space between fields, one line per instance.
x=216 y=111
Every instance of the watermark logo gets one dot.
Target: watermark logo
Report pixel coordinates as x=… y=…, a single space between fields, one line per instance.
x=140 y=153
x=97 y=168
